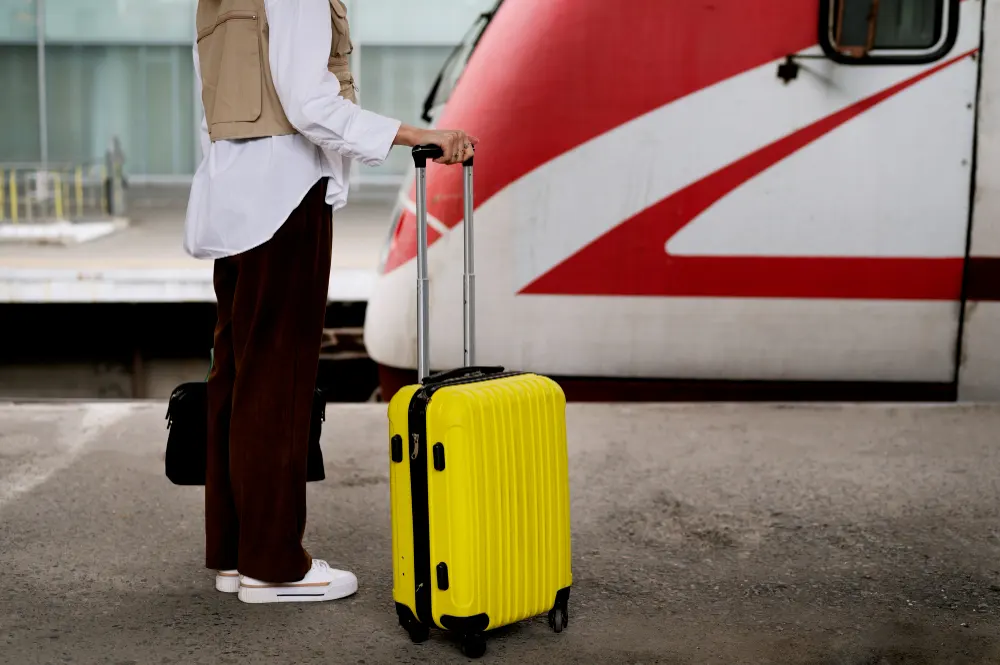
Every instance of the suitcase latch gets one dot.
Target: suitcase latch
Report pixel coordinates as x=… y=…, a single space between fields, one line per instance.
x=414 y=446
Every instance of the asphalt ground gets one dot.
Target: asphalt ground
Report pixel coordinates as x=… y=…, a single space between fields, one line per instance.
x=813 y=535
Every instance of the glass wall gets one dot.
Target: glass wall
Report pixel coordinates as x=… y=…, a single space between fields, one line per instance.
x=122 y=68
x=17 y=21
x=20 y=138
x=144 y=95
x=394 y=81
x=113 y=68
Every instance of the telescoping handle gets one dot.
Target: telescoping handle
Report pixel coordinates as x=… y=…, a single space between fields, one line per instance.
x=421 y=154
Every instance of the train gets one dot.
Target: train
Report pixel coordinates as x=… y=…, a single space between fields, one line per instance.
x=746 y=199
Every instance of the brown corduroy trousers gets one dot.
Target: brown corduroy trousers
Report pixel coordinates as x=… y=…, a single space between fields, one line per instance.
x=271 y=308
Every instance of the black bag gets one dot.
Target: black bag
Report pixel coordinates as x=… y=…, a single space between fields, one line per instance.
x=187 y=441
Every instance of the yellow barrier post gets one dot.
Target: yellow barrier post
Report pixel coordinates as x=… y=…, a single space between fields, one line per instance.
x=93 y=196
x=57 y=192
x=13 y=196
x=79 y=192
x=29 y=200
x=104 y=189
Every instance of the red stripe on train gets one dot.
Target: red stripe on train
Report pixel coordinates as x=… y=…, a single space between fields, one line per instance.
x=550 y=76
x=637 y=263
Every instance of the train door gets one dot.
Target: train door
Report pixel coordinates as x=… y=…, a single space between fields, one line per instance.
x=855 y=221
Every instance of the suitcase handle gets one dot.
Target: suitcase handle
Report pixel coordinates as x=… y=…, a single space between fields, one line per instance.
x=461 y=373
x=424 y=153
x=421 y=154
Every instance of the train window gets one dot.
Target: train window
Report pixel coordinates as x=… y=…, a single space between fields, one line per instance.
x=888 y=31
x=454 y=66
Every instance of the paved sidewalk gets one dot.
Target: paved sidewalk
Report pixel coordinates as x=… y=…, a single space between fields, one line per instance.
x=702 y=534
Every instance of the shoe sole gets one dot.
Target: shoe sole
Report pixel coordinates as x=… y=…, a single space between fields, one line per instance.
x=227 y=583
x=293 y=594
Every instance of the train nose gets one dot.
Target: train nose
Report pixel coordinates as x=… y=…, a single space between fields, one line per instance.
x=444 y=198
x=402 y=244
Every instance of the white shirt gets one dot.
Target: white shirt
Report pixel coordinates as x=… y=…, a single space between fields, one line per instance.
x=243 y=191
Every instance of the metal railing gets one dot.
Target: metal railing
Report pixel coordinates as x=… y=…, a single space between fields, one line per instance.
x=35 y=193
x=30 y=193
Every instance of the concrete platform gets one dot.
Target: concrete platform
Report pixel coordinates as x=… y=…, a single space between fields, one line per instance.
x=146 y=262
x=831 y=535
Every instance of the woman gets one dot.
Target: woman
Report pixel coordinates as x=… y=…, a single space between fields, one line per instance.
x=281 y=128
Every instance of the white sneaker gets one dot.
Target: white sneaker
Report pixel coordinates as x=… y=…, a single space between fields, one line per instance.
x=227 y=581
x=321 y=583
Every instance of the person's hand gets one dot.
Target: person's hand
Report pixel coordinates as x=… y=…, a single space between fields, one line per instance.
x=456 y=144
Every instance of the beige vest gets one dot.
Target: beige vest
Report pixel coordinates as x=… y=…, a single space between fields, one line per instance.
x=237 y=89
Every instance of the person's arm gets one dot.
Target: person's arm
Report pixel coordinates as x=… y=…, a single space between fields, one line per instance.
x=300 y=36
x=203 y=138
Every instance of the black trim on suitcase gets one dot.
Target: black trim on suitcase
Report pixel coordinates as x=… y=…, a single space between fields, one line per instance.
x=421 y=509
x=405 y=615
x=466 y=625
x=418 y=632
x=462 y=373
x=429 y=390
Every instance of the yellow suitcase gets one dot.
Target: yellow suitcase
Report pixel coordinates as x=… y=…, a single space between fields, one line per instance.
x=479 y=483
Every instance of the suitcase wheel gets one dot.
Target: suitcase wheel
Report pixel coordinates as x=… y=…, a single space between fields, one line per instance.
x=559 y=617
x=474 y=645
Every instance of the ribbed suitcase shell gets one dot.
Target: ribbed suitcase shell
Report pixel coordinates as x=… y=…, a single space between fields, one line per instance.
x=497 y=515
